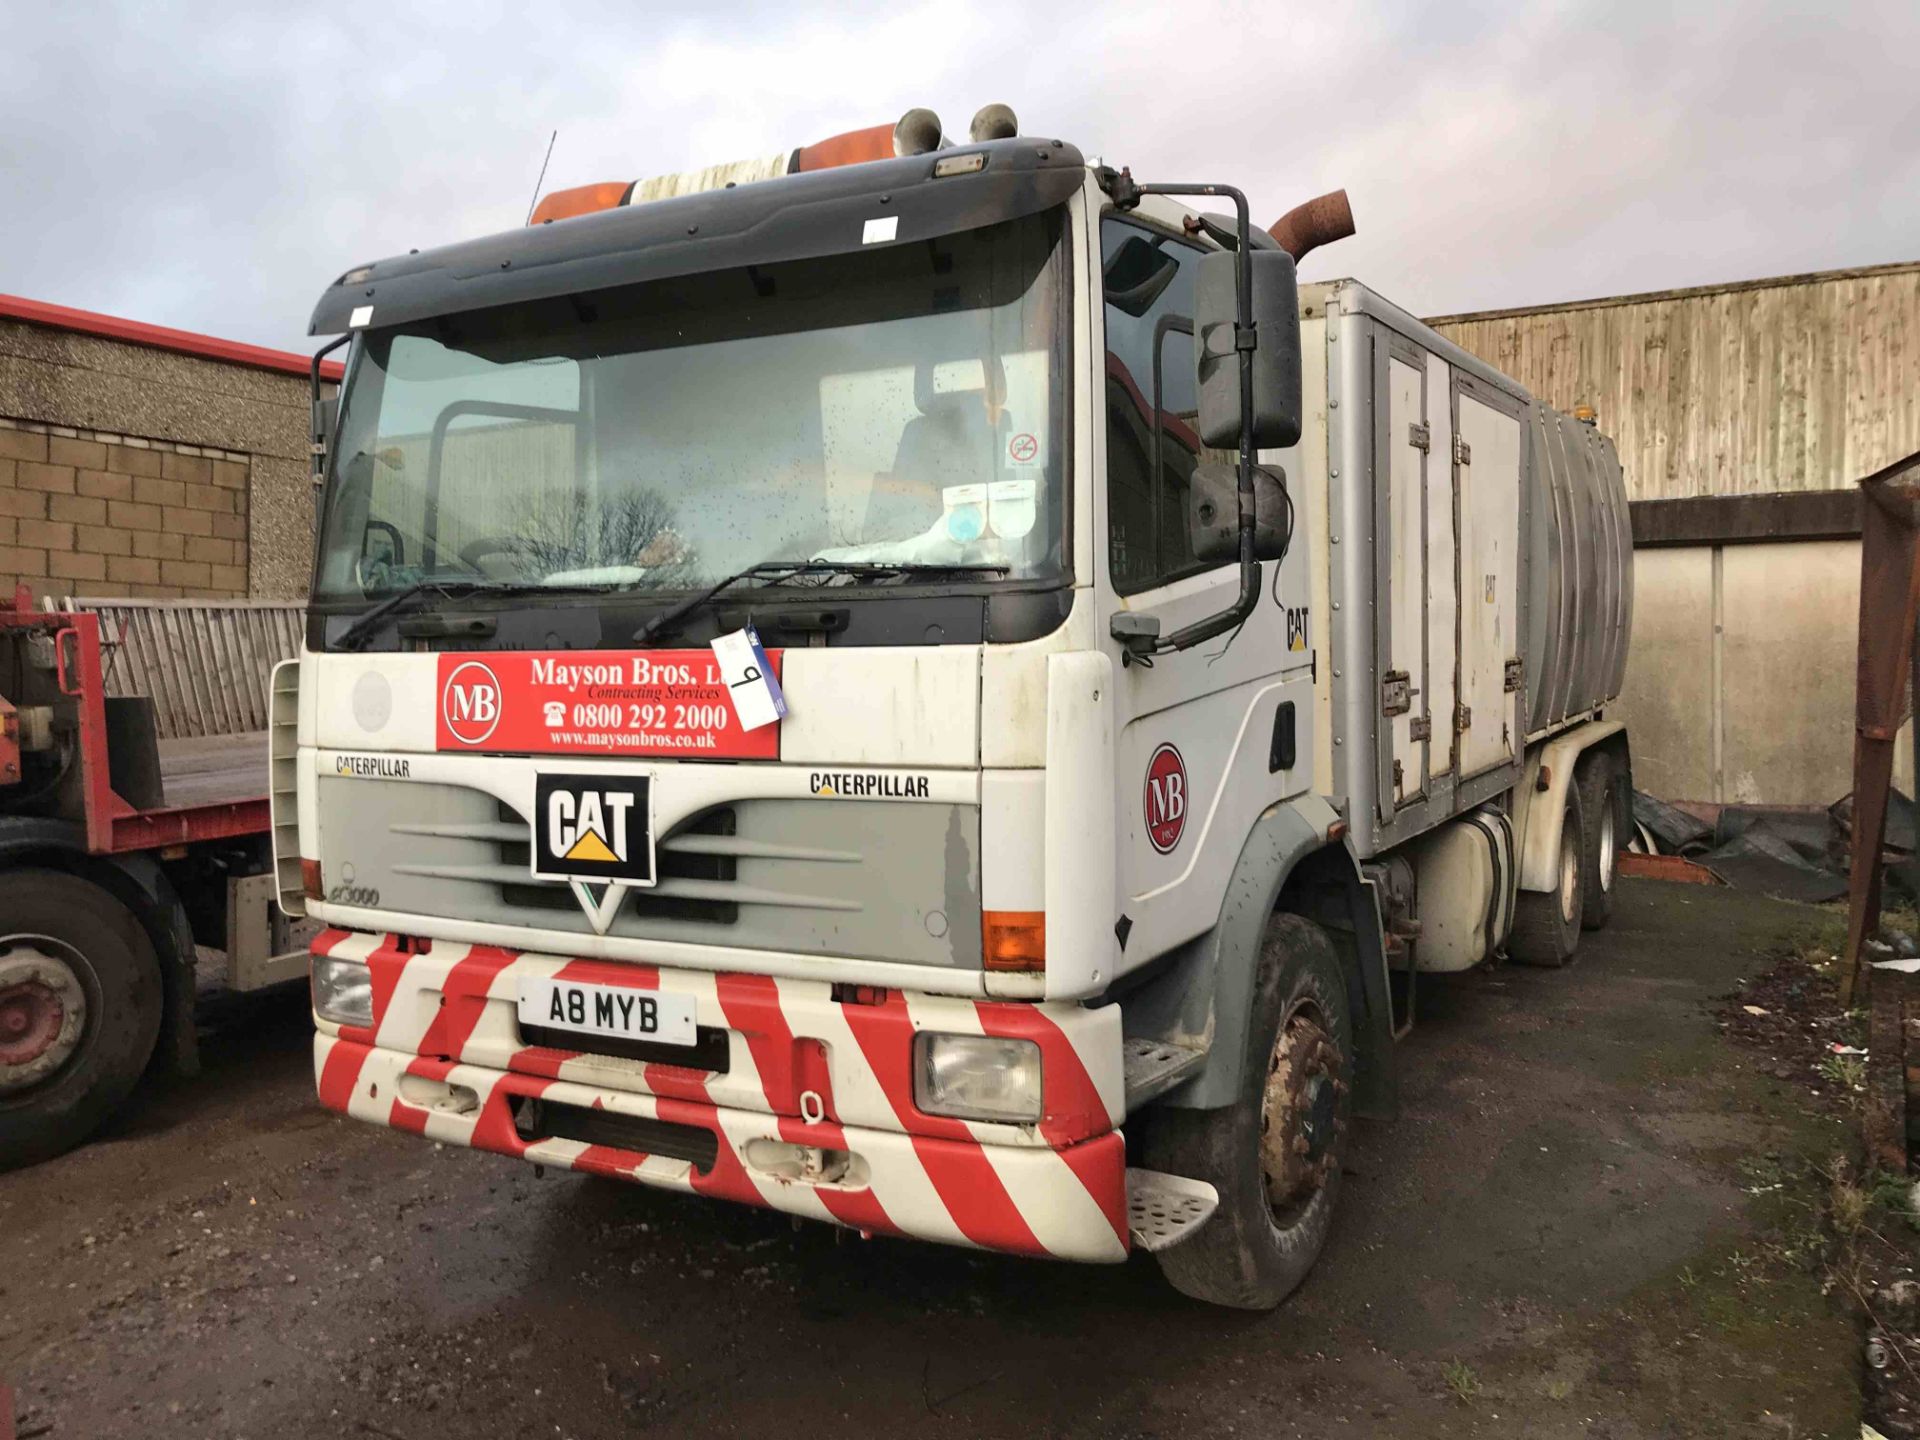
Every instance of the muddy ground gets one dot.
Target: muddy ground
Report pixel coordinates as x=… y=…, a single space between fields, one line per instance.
x=1590 y=1219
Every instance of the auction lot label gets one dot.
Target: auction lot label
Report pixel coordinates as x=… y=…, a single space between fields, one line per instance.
x=595 y=702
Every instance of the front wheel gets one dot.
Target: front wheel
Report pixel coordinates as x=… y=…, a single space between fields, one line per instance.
x=1274 y=1154
x=79 y=1010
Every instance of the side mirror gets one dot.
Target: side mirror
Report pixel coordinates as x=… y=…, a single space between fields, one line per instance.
x=1213 y=513
x=1276 y=357
x=380 y=543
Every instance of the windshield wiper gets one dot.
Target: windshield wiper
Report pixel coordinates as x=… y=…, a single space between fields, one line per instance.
x=368 y=620
x=787 y=569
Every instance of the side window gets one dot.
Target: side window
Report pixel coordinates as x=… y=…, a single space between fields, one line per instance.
x=1152 y=445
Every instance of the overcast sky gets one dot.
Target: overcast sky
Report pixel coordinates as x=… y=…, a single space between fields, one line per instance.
x=205 y=168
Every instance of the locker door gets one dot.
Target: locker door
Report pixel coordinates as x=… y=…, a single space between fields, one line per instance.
x=1487 y=480
x=1443 y=575
x=1404 y=687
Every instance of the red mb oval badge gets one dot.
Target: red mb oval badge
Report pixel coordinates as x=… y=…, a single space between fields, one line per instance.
x=470 y=703
x=1166 y=798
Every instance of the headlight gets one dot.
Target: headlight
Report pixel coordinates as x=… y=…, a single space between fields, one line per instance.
x=343 y=991
x=977 y=1077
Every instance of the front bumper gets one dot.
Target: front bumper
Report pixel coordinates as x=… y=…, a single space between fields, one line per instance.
x=444 y=1057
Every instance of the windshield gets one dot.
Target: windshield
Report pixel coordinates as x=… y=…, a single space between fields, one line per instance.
x=902 y=405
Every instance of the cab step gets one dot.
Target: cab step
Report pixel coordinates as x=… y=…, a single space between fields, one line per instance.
x=1153 y=1067
x=1163 y=1210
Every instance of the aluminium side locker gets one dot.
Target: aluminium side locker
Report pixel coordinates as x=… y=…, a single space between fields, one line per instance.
x=1487 y=460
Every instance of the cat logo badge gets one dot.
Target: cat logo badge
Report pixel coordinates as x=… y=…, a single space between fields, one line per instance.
x=593 y=830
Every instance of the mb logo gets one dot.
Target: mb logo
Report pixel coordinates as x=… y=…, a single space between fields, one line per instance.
x=591 y=829
x=1165 y=801
x=470 y=703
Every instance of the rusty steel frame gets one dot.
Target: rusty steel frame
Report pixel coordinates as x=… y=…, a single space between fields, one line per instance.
x=1889 y=609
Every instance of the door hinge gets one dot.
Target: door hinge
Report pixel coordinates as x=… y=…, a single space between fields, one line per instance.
x=1462 y=718
x=1421 y=727
x=1516 y=675
x=1396 y=693
x=1420 y=436
x=1462 y=452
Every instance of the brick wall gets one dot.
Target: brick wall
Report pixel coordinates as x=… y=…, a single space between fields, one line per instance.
x=88 y=513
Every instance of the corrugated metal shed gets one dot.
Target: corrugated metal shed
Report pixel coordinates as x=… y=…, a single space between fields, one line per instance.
x=1804 y=382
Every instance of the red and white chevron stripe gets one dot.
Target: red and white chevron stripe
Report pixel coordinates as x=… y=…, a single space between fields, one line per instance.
x=445 y=1015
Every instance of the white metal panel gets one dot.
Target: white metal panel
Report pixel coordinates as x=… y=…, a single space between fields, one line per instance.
x=1013 y=839
x=1443 y=609
x=915 y=705
x=1407 y=573
x=1489 y=485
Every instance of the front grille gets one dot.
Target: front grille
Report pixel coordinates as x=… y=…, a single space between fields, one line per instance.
x=550 y=1120
x=709 y=1052
x=671 y=865
x=873 y=879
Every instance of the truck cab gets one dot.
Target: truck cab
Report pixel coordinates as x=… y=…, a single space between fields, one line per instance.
x=812 y=695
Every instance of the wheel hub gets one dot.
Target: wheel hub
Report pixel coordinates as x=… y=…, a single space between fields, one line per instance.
x=43 y=1011
x=1300 y=1112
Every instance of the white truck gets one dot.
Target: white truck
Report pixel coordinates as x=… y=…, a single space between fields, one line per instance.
x=932 y=687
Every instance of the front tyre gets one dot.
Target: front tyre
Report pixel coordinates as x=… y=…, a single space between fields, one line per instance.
x=1274 y=1154
x=80 y=1004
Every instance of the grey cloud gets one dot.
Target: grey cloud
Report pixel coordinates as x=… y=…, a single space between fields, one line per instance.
x=211 y=169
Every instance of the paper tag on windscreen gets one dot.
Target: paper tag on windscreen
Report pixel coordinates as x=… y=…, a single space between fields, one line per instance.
x=757 y=698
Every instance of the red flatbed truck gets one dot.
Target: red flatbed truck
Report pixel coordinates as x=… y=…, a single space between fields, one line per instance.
x=122 y=856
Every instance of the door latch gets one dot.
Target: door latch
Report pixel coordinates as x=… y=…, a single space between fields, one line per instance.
x=1420 y=436
x=1462 y=718
x=1515 y=674
x=1396 y=693
x=1421 y=727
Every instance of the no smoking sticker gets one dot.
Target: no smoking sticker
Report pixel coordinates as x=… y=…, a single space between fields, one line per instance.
x=1023 y=449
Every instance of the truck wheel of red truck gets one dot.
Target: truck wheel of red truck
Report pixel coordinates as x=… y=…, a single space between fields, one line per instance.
x=1546 y=924
x=1274 y=1154
x=1605 y=802
x=79 y=1010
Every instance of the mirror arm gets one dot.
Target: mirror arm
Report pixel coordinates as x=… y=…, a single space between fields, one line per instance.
x=318 y=441
x=1245 y=341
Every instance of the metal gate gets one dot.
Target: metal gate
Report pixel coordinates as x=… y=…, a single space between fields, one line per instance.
x=204 y=663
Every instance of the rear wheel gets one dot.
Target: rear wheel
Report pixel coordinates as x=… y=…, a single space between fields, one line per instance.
x=1546 y=925
x=1604 y=802
x=1274 y=1154
x=79 y=1010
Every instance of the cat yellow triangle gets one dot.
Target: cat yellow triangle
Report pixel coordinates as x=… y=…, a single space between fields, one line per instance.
x=591 y=847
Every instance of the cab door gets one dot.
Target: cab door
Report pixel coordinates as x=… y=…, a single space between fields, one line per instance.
x=1207 y=737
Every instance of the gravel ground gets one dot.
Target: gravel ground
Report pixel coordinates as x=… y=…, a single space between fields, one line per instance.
x=1561 y=1235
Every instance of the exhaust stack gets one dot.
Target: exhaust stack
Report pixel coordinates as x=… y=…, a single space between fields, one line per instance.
x=1320 y=221
x=918 y=133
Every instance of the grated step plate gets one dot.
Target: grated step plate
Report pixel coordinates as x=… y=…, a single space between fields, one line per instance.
x=1163 y=1210
x=1153 y=1067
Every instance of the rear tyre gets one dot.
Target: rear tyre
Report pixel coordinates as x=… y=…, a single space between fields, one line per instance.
x=1546 y=926
x=80 y=1002
x=1274 y=1154
x=1604 y=802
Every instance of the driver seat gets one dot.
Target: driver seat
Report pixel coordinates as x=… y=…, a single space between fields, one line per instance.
x=954 y=440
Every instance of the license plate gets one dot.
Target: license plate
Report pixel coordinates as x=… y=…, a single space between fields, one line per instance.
x=615 y=1010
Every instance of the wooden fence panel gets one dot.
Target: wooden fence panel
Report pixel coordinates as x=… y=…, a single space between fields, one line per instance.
x=204 y=663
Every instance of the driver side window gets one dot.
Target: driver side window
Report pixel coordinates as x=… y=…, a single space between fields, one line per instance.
x=1152 y=442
